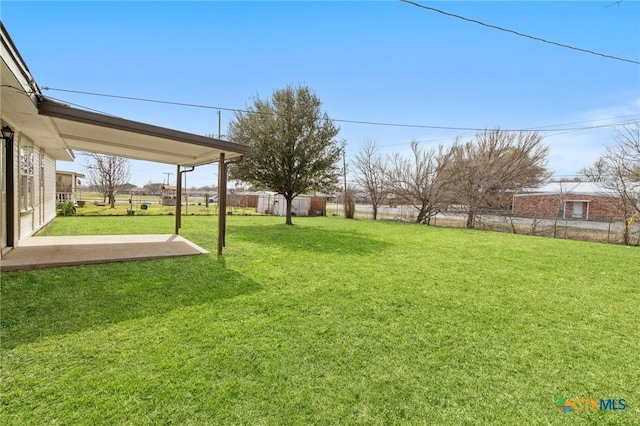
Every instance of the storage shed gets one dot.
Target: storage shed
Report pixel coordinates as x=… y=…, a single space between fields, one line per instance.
x=302 y=205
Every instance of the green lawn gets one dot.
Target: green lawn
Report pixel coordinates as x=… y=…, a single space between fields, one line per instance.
x=330 y=321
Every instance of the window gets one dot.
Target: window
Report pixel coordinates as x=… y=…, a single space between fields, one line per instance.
x=41 y=178
x=42 y=159
x=27 y=165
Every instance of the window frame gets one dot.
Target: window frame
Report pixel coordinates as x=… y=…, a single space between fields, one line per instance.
x=26 y=174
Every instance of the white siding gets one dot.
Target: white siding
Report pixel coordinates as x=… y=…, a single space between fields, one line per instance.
x=276 y=204
x=49 y=189
x=44 y=206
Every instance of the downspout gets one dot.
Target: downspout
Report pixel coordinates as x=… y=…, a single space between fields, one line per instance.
x=179 y=196
x=222 y=200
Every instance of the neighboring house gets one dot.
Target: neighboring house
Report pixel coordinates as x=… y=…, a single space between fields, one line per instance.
x=169 y=195
x=67 y=185
x=569 y=200
x=129 y=187
x=37 y=132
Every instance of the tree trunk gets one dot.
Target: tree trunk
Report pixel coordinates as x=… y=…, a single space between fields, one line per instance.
x=289 y=202
x=471 y=217
x=112 y=201
x=375 y=212
x=513 y=225
x=626 y=233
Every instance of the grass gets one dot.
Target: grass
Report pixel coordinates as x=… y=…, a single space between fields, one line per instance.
x=156 y=209
x=330 y=321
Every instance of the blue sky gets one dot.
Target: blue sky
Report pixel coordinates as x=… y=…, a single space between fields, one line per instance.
x=368 y=61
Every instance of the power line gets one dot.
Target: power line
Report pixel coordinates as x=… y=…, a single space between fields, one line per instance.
x=82 y=106
x=157 y=101
x=29 y=93
x=418 y=140
x=506 y=30
x=478 y=129
x=636 y=117
x=370 y=123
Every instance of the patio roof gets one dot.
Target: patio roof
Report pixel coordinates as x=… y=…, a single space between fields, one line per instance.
x=100 y=133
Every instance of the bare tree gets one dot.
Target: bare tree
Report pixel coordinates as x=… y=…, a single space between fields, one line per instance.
x=497 y=164
x=348 y=198
x=370 y=169
x=421 y=180
x=618 y=170
x=561 y=208
x=108 y=173
x=153 y=188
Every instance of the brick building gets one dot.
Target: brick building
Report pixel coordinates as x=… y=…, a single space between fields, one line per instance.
x=569 y=200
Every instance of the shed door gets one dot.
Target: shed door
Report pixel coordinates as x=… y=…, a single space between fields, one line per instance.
x=577 y=211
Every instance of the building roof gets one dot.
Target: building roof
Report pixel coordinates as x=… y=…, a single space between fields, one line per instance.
x=64 y=172
x=93 y=132
x=569 y=188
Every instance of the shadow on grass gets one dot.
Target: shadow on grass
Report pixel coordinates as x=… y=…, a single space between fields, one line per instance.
x=49 y=302
x=313 y=239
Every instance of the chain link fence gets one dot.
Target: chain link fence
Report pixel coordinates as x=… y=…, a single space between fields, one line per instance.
x=610 y=231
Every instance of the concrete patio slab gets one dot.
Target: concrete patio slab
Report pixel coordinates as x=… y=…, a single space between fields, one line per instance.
x=48 y=252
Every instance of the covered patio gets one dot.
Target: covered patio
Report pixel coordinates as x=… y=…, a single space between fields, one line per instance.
x=81 y=130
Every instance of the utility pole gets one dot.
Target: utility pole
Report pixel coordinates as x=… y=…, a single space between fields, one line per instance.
x=219 y=126
x=168 y=174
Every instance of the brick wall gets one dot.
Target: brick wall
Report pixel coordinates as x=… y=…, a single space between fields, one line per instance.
x=549 y=205
x=536 y=205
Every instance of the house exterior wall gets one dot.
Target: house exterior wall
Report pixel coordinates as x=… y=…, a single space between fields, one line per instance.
x=40 y=209
x=66 y=186
x=597 y=207
x=29 y=156
x=49 y=189
x=537 y=205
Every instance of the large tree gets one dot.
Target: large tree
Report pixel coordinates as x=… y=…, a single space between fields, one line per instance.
x=370 y=169
x=153 y=188
x=422 y=180
x=108 y=173
x=497 y=164
x=618 y=170
x=293 y=145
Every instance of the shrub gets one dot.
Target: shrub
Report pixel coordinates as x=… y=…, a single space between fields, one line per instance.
x=349 y=204
x=66 y=209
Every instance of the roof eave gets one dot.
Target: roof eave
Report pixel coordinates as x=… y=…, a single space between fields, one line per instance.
x=47 y=107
